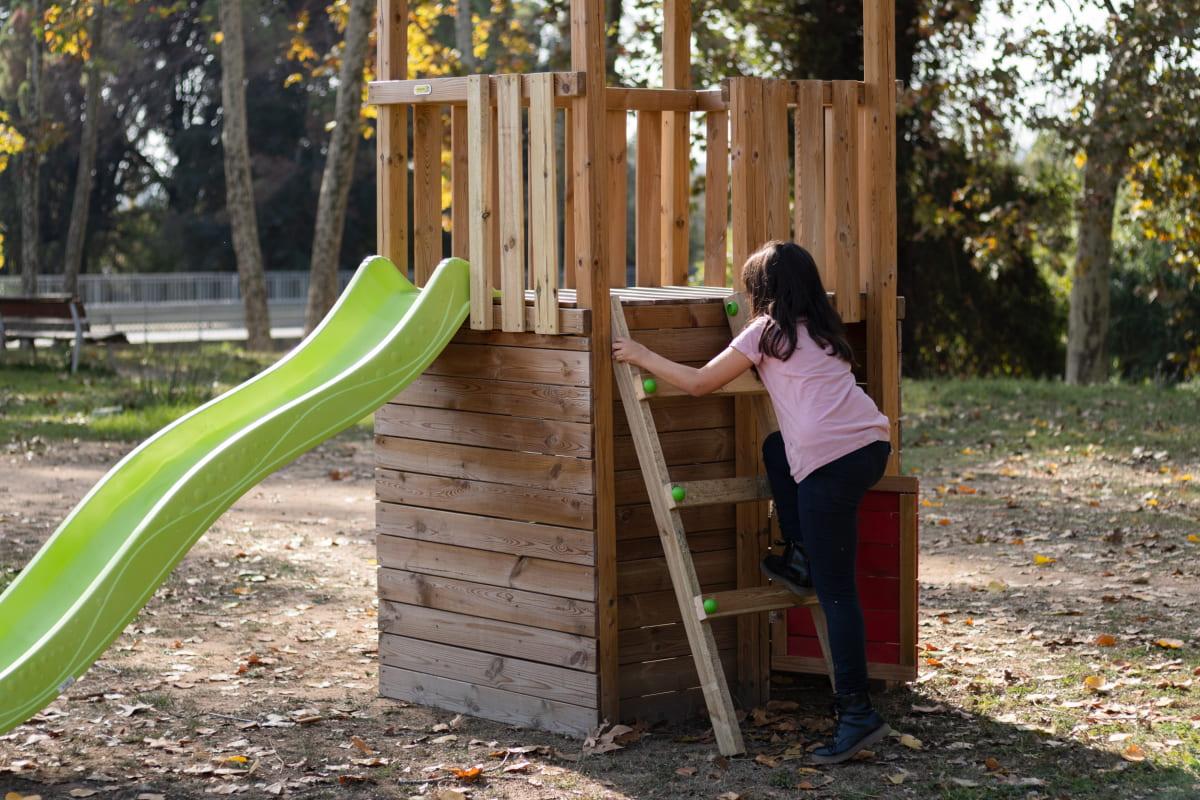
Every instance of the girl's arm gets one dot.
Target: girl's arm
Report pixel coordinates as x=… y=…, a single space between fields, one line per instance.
x=713 y=375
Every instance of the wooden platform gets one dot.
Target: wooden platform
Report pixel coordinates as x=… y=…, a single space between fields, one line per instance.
x=487 y=551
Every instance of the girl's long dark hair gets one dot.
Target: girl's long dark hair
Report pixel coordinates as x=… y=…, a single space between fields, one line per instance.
x=784 y=285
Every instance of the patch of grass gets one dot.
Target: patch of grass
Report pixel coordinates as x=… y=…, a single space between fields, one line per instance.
x=967 y=422
x=140 y=390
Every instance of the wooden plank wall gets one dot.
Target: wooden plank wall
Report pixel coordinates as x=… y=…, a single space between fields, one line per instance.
x=485 y=518
x=658 y=675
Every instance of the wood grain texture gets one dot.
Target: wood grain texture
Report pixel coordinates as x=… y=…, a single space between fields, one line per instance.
x=486 y=702
x=551 y=542
x=537 y=400
x=748 y=601
x=559 y=367
x=391 y=184
x=681 y=447
x=716 y=199
x=558 y=578
x=521 y=434
x=486 y=669
x=451 y=460
x=428 y=130
x=841 y=199
x=562 y=614
x=502 y=339
x=809 y=125
x=776 y=96
x=460 y=167
x=650 y=609
x=512 y=203
x=653 y=575
x=670 y=641
x=491 y=499
x=669 y=675
x=648 y=199
x=617 y=196
x=482 y=212
x=741 y=489
x=708 y=314
x=543 y=203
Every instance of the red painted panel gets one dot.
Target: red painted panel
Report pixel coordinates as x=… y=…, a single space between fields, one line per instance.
x=877 y=652
x=880 y=501
x=879 y=527
x=875 y=592
x=878 y=559
x=882 y=625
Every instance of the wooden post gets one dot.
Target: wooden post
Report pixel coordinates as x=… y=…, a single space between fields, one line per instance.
x=427 y=191
x=716 y=199
x=460 y=216
x=391 y=186
x=568 y=203
x=676 y=46
x=480 y=192
x=841 y=204
x=879 y=60
x=616 y=194
x=809 y=124
x=512 y=203
x=647 y=197
x=543 y=193
x=592 y=286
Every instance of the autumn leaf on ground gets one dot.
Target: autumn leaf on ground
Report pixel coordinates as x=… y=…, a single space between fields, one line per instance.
x=1194 y=538
x=991 y=763
x=729 y=796
x=1105 y=640
x=1133 y=753
x=686 y=772
x=1042 y=560
x=518 y=766
x=361 y=745
x=897 y=778
x=469 y=775
x=767 y=761
x=909 y=741
x=1169 y=644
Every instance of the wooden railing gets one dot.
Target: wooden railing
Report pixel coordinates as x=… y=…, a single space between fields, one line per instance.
x=783 y=161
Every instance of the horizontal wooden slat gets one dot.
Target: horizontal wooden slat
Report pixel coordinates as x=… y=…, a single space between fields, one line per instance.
x=720 y=491
x=651 y=575
x=494 y=602
x=816 y=666
x=490 y=499
x=903 y=484
x=744 y=384
x=541 y=401
x=877 y=652
x=637 y=522
x=685 y=344
x=651 y=547
x=488 y=669
x=681 y=414
x=680 y=447
x=673 y=707
x=536 y=470
x=631 y=484
x=655 y=608
x=453 y=90
x=551 y=542
x=558 y=578
x=535 y=365
x=709 y=314
x=484 y=701
x=669 y=641
x=538 y=340
x=522 y=434
x=750 y=601
x=668 y=675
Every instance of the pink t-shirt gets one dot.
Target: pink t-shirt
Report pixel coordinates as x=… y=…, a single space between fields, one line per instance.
x=823 y=414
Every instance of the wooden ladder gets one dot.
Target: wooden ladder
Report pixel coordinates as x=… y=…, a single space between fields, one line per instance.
x=667 y=497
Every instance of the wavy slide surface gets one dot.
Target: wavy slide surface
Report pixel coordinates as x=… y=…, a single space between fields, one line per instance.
x=117 y=546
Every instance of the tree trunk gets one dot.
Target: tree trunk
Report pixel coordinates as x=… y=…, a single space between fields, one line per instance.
x=239 y=187
x=81 y=203
x=1087 y=329
x=339 y=167
x=463 y=39
x=31 y=108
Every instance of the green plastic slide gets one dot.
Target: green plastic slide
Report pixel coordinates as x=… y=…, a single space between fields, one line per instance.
x=113 y=551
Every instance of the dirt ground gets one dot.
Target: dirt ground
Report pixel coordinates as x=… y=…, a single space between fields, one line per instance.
x=1059 y=631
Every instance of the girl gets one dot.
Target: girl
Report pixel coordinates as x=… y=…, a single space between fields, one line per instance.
x=833 y=445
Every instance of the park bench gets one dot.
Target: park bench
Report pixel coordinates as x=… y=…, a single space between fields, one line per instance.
x=58 y=317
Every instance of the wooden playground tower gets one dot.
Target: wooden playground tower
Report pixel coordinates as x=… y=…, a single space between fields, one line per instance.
x=522 y=577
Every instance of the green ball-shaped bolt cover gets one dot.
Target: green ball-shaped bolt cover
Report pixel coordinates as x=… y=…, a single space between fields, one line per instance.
x=731 y=308
x=678 y=492
x=710 y=605
x=650 y=385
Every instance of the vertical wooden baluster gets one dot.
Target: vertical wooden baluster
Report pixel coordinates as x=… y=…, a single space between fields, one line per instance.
x=648 y=195
x=617 y=196
x=543 y=194
x=716 y=199
x=512 y=204
x=480 y=192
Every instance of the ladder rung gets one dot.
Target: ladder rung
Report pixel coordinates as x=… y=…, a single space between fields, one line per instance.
x=719 y=491
x=745 y=384
x=749 y=601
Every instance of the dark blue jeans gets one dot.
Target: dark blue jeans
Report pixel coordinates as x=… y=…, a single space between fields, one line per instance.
x=821 y=514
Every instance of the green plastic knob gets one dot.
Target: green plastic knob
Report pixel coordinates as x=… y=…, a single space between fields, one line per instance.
x=650 y=385
x=678 y=492
x=731 y=308
x=710 y=605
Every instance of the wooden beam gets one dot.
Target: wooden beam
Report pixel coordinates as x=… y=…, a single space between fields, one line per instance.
x=883 y=364
x=617 y=196
x=453 y=91
x=592 y=286
x=460 y=214
x=841 y=199
x=676 y=47
x=776 y=95
x=719 y=491
x=512 y=203
x=391 y=200
x=479 y=191
x=716 y=199
x=735 y=602
x=809 y=125
x=543 y=205
x=648 y=198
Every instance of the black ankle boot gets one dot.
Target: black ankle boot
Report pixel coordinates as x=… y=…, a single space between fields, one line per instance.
x=790 y=568
x=858 y=726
